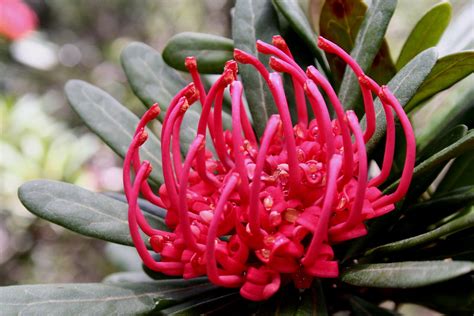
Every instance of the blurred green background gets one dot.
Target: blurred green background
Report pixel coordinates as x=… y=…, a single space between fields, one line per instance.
x=42 y=138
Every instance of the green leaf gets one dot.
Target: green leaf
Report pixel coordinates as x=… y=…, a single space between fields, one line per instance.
x=459 y=175
x=461 y=223
x=426 y=33
x=97 y=298
x=445 y=140
x=447 y=71
x=313 y=301
x=454 y=297
x=438 y=144
x=145 y=206
x=367 y=44
x=153 y=81
x=255 y=20
x=361 y=307
x=419 y=216
x=84 y=212
x=408 y=274
x=455 y=198
x=211 y=51
x=291 y=10
x=403 y=86
x=463 y=145
x=112 y=122
x=452 y=108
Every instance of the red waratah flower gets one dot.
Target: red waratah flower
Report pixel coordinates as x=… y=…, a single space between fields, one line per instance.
x=261 y=212
x=16 y=19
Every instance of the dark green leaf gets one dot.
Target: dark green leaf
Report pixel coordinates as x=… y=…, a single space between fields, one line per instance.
x=291 y=10
x=97 y=298
x=112 y=122
x=403 y=86
x=313 y=301
x=460 y=174
x=153 y=81
x=461 y=223
x=361 y=307
x=255 y=20
x=211 y=51
x=88 y=213
x=426 y=33
x=438 y=144
x=445 y=140
x=419 y=216
x=456 y=198
x=447 y=71
x=452 y=108
x=409 y=274
x=454 y=297
x=456 y=246
x=463 y=145
x=367 y=44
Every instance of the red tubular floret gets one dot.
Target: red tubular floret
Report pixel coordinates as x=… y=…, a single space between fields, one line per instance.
x=330 y=47
x=212 y=270
x=236 y=94
x=173 y=268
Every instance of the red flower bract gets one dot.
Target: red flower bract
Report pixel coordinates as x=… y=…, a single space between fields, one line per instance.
x=261 y=212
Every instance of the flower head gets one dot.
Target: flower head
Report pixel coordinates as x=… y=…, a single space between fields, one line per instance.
x=258 y=212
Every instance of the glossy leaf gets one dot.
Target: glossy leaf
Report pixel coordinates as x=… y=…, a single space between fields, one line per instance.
x=112 y=122
x=97 y=298
x=408 y=274
x=368 y=42
x=153 y=81
x=211 y=51
x=447 y=71
x=461 y=223
x=404 y=86
x=426 y=33
x=82 y=211
x=463 y=145
x=291 y=10
x=255 y=20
